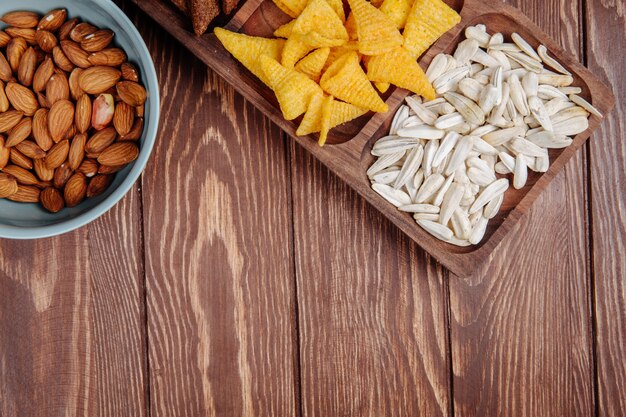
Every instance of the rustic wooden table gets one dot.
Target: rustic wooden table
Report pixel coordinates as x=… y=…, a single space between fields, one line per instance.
x=240 y=277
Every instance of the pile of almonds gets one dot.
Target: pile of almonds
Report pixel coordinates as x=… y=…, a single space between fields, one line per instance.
x=71 y=109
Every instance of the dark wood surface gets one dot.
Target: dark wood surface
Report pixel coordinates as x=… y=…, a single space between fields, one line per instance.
x=242 y=277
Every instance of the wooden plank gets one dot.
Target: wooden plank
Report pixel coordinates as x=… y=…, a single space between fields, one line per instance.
x=520 y=330
x=606 y=31
x=219 y=269
x=72 y=338
x=371 y=306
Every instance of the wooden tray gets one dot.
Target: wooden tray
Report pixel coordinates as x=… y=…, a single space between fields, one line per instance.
x=348 y=154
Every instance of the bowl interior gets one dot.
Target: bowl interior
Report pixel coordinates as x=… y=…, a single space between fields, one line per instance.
x=20 y=220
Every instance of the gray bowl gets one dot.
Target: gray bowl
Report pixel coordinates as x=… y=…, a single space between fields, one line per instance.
x=31 y=221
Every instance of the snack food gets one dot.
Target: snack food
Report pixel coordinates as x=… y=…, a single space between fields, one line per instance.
x=71 y=108
x=352 y=59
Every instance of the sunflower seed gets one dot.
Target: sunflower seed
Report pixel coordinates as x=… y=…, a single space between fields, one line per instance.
x=501 y=136
x=525 y=61
x=462 y=149
x=410 y=167
x=553 y=79
x=569 y=113
x=501 y=58
x=468 y=108
x=585 y=104
x=478 y=232
x=505 y=47
x=470 y=88
x=571 y=127
x=496 y=39
x=460 y=224
x=525 y=46
x=491 y=191
x=446 y=145
x=549 y=140
x=539 y=112
x=548 y=92
x=422 y=112
x=396 y=197
x=451 y=202
x=421 y=132
x=387 y=176
x=493 y=207
x=447 y=121
x=384 y=162
x=429 y=154
x=480 y=36
x=530 y=84
x=570 y=90
x=521 y=172
x=518 y=96
x=542 y=51
x=438 y=230
x=449 y=80
x=426 y=216
x=485 y=59
x=401 y=115
x=429 y=187
x=465 y=51
x=439 y=195
x=420 y=208
x=502 y=169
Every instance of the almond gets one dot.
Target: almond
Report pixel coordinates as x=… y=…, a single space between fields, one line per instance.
x=51 y=199
x=83 y=113
x=61 y=175
x=5 y=153
x=27 y=67
x=107 y=170
x=75 y=189
x=101 y=140
x=81 y=30
x=71 y=132
x=75 y=89
x=66 y=28
x=89 y=167
x=46 y=40
x=31 y=149
x=25 y=194
x=53 y=20
x=98 y=185
x=112 y=57
x=40 y=130
x=77 y=151
x=139 y=110
x=4 y=101
x=43 y=74
x=4 y=39
x=21 y=160
x=29 y=35
x=129 y=72
x=131 y=93
x=61 y=60
x=22 y=98
x=9 y=119
x=57 y=89
x=135 y=132
x=43 y=101
x=8 y=185
x=20 y=132
x=103 y=111
x=57 y=155
x=6 y=73
x=97 y=41
x=120 y=153
x=60 y=118
x=75 y=53
x=124 y=118
x=98 y=79
x=15 y=50
x=41 y=169
x=21 y=19
x=21 y=175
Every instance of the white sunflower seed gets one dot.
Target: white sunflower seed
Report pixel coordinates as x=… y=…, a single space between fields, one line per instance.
x=449 y=80
x=585 y=104
x=496 y=39
x=384 y=162
x=468 y=108
x=518 y=96
x=451 y=202
x=485 y=59
x=429 y=187
x=542 y=51
x=501 y=136
x=460 y=224
x=436 y=67
x=530 y=84
x=478 y=232
x=421 y=132
x=426 y=216
x=410 y=167
x=491 y=191
x=525 y=46
x=553 y=79
x=571 y=127
x=502 y=169
x=525 y=61
x=387 y=176
x=396 y=197
x=539 y=112
x=493 y=207
x=446 y=145
x=438 y=196
x=470 y=88
x=549 y=140
x=548 y=92
x=570 y=90
x=520 y=175
x=420 y=111
x=438 y=230
x=526 y=147
x=461 y=151
x=465 y=51
x=420 y=208
x=401 y=115
x=480 y=36
x=480 y=177
x=429 y=154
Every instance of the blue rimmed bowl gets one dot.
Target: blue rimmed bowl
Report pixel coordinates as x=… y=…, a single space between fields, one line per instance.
x=31 y=221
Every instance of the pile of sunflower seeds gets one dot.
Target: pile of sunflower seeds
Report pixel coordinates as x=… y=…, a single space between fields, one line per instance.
x=498 y=112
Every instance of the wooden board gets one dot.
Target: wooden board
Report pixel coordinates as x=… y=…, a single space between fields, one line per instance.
x=72 y=339
x=372 y=306
x=220 y=295
x=350 y=159
x=606 y=29
x=520 y=329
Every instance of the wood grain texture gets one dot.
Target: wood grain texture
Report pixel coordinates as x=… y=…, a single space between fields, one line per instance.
x=220 y=294
x=606 y=34
x=371 y=306
x=72 y=339
x=520 y=329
